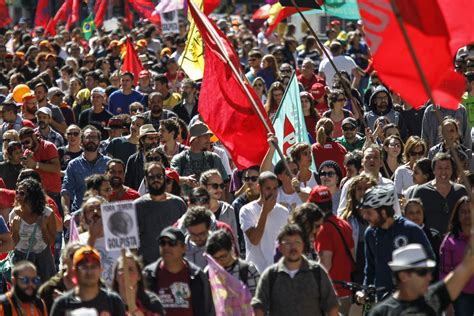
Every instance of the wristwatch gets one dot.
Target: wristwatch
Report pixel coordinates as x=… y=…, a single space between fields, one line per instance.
x=37 y=166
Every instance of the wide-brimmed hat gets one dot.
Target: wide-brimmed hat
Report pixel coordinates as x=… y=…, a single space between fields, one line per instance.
x=147 y=129
x=412 y=256
x=198 y=129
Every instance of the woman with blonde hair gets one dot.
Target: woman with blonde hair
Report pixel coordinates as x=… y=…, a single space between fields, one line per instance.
x=325 y=147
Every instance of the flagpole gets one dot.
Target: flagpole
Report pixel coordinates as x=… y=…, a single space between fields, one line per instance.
x=347 y=89
x=427 y=88
x=247 y=92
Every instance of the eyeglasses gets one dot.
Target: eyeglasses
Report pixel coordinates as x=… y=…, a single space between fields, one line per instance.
x=222 y=257
x=153 y=158
x=287 y=243
x=199 y=200
x=421 y=272
x=169 y=242
x=158 y=176
x=327 y=174
x=27 y=280
x=75 y=134
x=252 y=178
x=216 y=186
x=417 y=153
x=348 y=128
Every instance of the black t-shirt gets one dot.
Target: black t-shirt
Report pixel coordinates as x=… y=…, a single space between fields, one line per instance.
x=105 y=302
x=433 y=303
x=98 y=120
x=65 y=156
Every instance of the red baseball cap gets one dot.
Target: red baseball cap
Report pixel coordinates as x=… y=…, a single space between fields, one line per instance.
x=320 y=194
x=318 y=90
x=172 y=174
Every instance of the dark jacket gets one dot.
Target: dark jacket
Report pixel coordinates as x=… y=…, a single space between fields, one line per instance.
x=182 y=113
x=200 y=289
x=134 y=172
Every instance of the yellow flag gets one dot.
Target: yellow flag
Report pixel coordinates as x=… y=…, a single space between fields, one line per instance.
x=192 y=59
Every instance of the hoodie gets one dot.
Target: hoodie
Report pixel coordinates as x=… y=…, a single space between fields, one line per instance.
x=393 y=116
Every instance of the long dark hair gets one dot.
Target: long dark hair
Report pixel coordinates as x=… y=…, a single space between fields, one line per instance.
x=140 y=284
x=305 y=215
x=454 y=224
x=34 y=195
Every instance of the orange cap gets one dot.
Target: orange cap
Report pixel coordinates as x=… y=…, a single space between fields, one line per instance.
x=86 y=253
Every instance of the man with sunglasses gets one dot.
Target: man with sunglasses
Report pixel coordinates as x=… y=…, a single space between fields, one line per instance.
x=183 y=288
x=350 y=139
x=155 y=211
x=88 y=297
x=386 y=234
x=411 y=269
x=22 y=299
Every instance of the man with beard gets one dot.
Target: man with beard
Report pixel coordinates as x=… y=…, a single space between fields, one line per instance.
x=42 y=156
x=188 y=107
x=386 y=234
x=22 y=296
x=88 y=294
x=294 y=285
x=125 y=146
x=58 y=122
x=44 y=118
x=156 y=113
x=155 y=211
x=89 y=163
x=192 y=162
x=148 y=139
x=116 y=173
x=97 y=115
x=380 y=104
x=29 y=107
x=350 y=139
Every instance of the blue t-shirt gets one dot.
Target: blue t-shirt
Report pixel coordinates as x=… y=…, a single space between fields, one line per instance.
x=119 y=103
x=3 y=226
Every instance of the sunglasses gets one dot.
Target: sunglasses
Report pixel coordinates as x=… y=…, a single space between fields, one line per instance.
x=171 y=243
x=327 y=174
x=158 y=176
x=215 y=186
x=421 y=272
x=349 y=128
x=199 y=200
x=417 y=153
x=27 y=280
x=252 y=178
x=72 y=134
x=258 y=85
x=153 y=158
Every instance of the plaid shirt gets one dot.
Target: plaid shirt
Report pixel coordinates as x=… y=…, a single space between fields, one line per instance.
x=53 y=137
x=252 y=276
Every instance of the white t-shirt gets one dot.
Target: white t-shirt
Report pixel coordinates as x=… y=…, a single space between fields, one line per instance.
x=290 y=201
x=342 y=62
x=107 y=258
x=403 y=179
x=261 y=255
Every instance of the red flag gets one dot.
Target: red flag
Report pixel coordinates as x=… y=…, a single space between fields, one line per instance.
x=4 y=15
x=458 y=17
x=429 y=36
x=223 y=103
x=277 y=13
x=100 y=10
x=146 y=8
x=210 y=5
x=42 y=14
x=75 y=11
x=128 y=15
x=131 y=61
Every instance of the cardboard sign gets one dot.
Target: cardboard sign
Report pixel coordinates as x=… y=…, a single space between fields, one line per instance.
x=120 y=225
x=169 y=22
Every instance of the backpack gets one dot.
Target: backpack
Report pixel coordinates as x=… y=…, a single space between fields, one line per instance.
x=243 y=271
x=184 y=162
x=7 y=306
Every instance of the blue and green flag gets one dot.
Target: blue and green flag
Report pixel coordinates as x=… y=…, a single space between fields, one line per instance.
x=88 y=27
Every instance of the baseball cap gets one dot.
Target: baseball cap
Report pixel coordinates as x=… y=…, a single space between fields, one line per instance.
x=198 y=129
x=172 y=174
x=45 y=110
x=349 y=120
x=98 y=90
x=27 y=97
x=412 y=256
x=54 y=91
x=172 y=233
x=86 y=253
x=114 y=123
x=320 y=194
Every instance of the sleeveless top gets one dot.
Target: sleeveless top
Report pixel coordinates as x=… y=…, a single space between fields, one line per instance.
x=38 y=244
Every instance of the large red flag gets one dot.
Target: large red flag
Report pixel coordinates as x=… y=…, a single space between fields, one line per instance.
x=128 y=15
x=4 y=15
x=131 y=61
x=146 y=9
x=63 y=15
x=429 y=36
x=42 y=14
x=223 y=103
x=75 y=11
x=460 y=22
x=100 y=10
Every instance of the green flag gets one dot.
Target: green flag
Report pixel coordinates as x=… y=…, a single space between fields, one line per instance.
x=88 y=27
x=344 y=9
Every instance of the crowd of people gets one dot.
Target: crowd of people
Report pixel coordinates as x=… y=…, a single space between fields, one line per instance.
x=388 y=203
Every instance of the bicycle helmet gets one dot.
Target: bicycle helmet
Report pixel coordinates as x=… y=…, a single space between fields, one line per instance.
x=380 y=195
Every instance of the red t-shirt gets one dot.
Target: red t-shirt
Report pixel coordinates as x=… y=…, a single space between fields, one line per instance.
x=129 y=194
x=47 y=151
x=308 y=83
x=328 y=239
x=331 y=150
x=175 y=292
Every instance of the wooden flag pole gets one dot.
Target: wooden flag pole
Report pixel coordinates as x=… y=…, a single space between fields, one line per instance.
x=450 y=144
x=129 y=294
